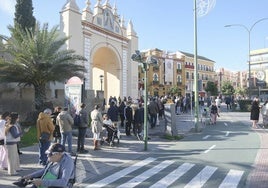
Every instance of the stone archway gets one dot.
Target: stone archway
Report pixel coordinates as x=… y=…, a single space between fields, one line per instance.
x=105 y=62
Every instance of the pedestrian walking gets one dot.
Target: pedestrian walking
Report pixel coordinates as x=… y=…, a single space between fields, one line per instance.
x=45 y=129
x=96 y=126
x=65 y=121
x=82 y=129
x=255 y=112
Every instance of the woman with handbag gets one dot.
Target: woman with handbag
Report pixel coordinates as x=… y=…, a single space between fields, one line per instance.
x=45 y=129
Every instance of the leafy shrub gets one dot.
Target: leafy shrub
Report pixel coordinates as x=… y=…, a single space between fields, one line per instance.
x=244 y=105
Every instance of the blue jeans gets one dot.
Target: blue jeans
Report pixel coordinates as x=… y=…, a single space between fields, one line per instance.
x=68 y=136
x=43 y=147
x=153 y=120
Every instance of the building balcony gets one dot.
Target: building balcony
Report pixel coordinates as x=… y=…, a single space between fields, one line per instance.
x=155 y=82
x=156 y=68
x=179 y=70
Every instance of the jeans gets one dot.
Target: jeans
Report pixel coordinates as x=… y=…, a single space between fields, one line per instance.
x=81 y=138
x=43 y=147
x=153 y=120
x=68 y=136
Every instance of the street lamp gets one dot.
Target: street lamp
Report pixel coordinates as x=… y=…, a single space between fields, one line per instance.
x=248 y=29
x=139 y=57
x=101 y=80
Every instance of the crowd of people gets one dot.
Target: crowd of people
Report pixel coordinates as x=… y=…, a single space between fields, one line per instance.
x=55 y=128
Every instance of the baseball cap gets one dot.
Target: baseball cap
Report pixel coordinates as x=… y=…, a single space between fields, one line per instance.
x=55 y=148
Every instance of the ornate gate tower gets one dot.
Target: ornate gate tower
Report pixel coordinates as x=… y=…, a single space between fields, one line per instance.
x=100 y=35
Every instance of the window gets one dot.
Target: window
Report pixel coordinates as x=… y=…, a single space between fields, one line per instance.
x=155 y=77
x=187 y=75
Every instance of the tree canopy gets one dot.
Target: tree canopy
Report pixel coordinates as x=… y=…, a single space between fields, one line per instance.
x=36 y=58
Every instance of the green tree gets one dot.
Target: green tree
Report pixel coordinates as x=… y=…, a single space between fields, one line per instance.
x=37 y=58
x=174 y=90
x=227 y=88
x=24 y=14
x=211 y=88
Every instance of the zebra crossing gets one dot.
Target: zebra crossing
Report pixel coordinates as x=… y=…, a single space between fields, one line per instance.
x=137 y=173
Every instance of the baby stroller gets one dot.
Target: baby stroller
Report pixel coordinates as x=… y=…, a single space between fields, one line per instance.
x=111 y=132
x=206 y=116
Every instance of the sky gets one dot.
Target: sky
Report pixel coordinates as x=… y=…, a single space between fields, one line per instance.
x=169 y=25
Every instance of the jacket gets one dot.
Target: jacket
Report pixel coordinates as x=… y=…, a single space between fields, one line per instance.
x=83 y=118
x=65 y=121
x=44 y=124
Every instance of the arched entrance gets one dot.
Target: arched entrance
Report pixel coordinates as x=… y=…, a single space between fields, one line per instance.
x=107 y=64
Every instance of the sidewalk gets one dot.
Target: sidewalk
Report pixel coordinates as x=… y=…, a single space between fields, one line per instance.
x=108 y=158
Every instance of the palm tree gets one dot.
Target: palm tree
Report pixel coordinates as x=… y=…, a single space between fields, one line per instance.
x=36 y=58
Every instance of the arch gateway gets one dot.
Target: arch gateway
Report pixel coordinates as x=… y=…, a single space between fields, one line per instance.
x=100 y=35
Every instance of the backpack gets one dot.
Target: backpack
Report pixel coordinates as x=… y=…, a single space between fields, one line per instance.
x=77 y=120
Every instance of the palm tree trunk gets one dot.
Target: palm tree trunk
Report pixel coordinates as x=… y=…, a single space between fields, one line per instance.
x=39 y=96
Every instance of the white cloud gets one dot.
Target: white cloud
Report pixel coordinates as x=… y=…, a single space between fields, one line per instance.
x=8 y=6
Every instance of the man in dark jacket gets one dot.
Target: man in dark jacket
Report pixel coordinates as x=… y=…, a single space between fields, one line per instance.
x=82 y=129
x=128 y=117
x=113 y=113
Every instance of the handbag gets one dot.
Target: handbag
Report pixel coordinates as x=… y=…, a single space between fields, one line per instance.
x=44 y=137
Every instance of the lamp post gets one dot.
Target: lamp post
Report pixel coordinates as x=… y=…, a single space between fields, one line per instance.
x=101 y=80
x=248 y=29
x=139 y=57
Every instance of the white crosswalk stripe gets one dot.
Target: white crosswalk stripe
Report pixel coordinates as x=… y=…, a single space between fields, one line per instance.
x=118 y=175
x=232 y=179
x=138 y=179
x=170 y=175
x=200 y=179
x=173 y=176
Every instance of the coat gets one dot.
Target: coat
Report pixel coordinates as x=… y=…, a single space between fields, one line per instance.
x=65 y=121
x=96 y=123
x=255 y=111
x=44 y=124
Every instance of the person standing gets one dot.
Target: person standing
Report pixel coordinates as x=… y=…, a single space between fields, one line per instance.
x=96 y=125
x=82 y=129
x=218 y=103
x=128 y=118
x=213 y=112
x=3 y=151
x=65 y=121
x=56 y=133
x=113 y=113
x=153 y=111
x=44 y=126
x=255 y=112
x=121 y=113
x=13 y=134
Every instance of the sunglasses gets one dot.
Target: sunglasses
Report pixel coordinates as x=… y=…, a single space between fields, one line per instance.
x=52 y=154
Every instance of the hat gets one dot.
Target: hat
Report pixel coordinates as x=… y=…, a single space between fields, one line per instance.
x=56 y=148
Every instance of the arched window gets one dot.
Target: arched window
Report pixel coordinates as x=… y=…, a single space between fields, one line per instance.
x=155 y=77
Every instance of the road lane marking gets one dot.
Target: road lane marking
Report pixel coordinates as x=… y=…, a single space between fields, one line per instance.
x=206 y=137
x=201 y=178
x=140 y=178
x=173 y=176
x=226 y=124
x=119 y=174
x=232 y=179
x=210 y=149
x=227 y=133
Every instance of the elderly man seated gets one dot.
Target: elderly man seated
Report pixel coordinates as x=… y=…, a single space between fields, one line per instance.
x=59 y=172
